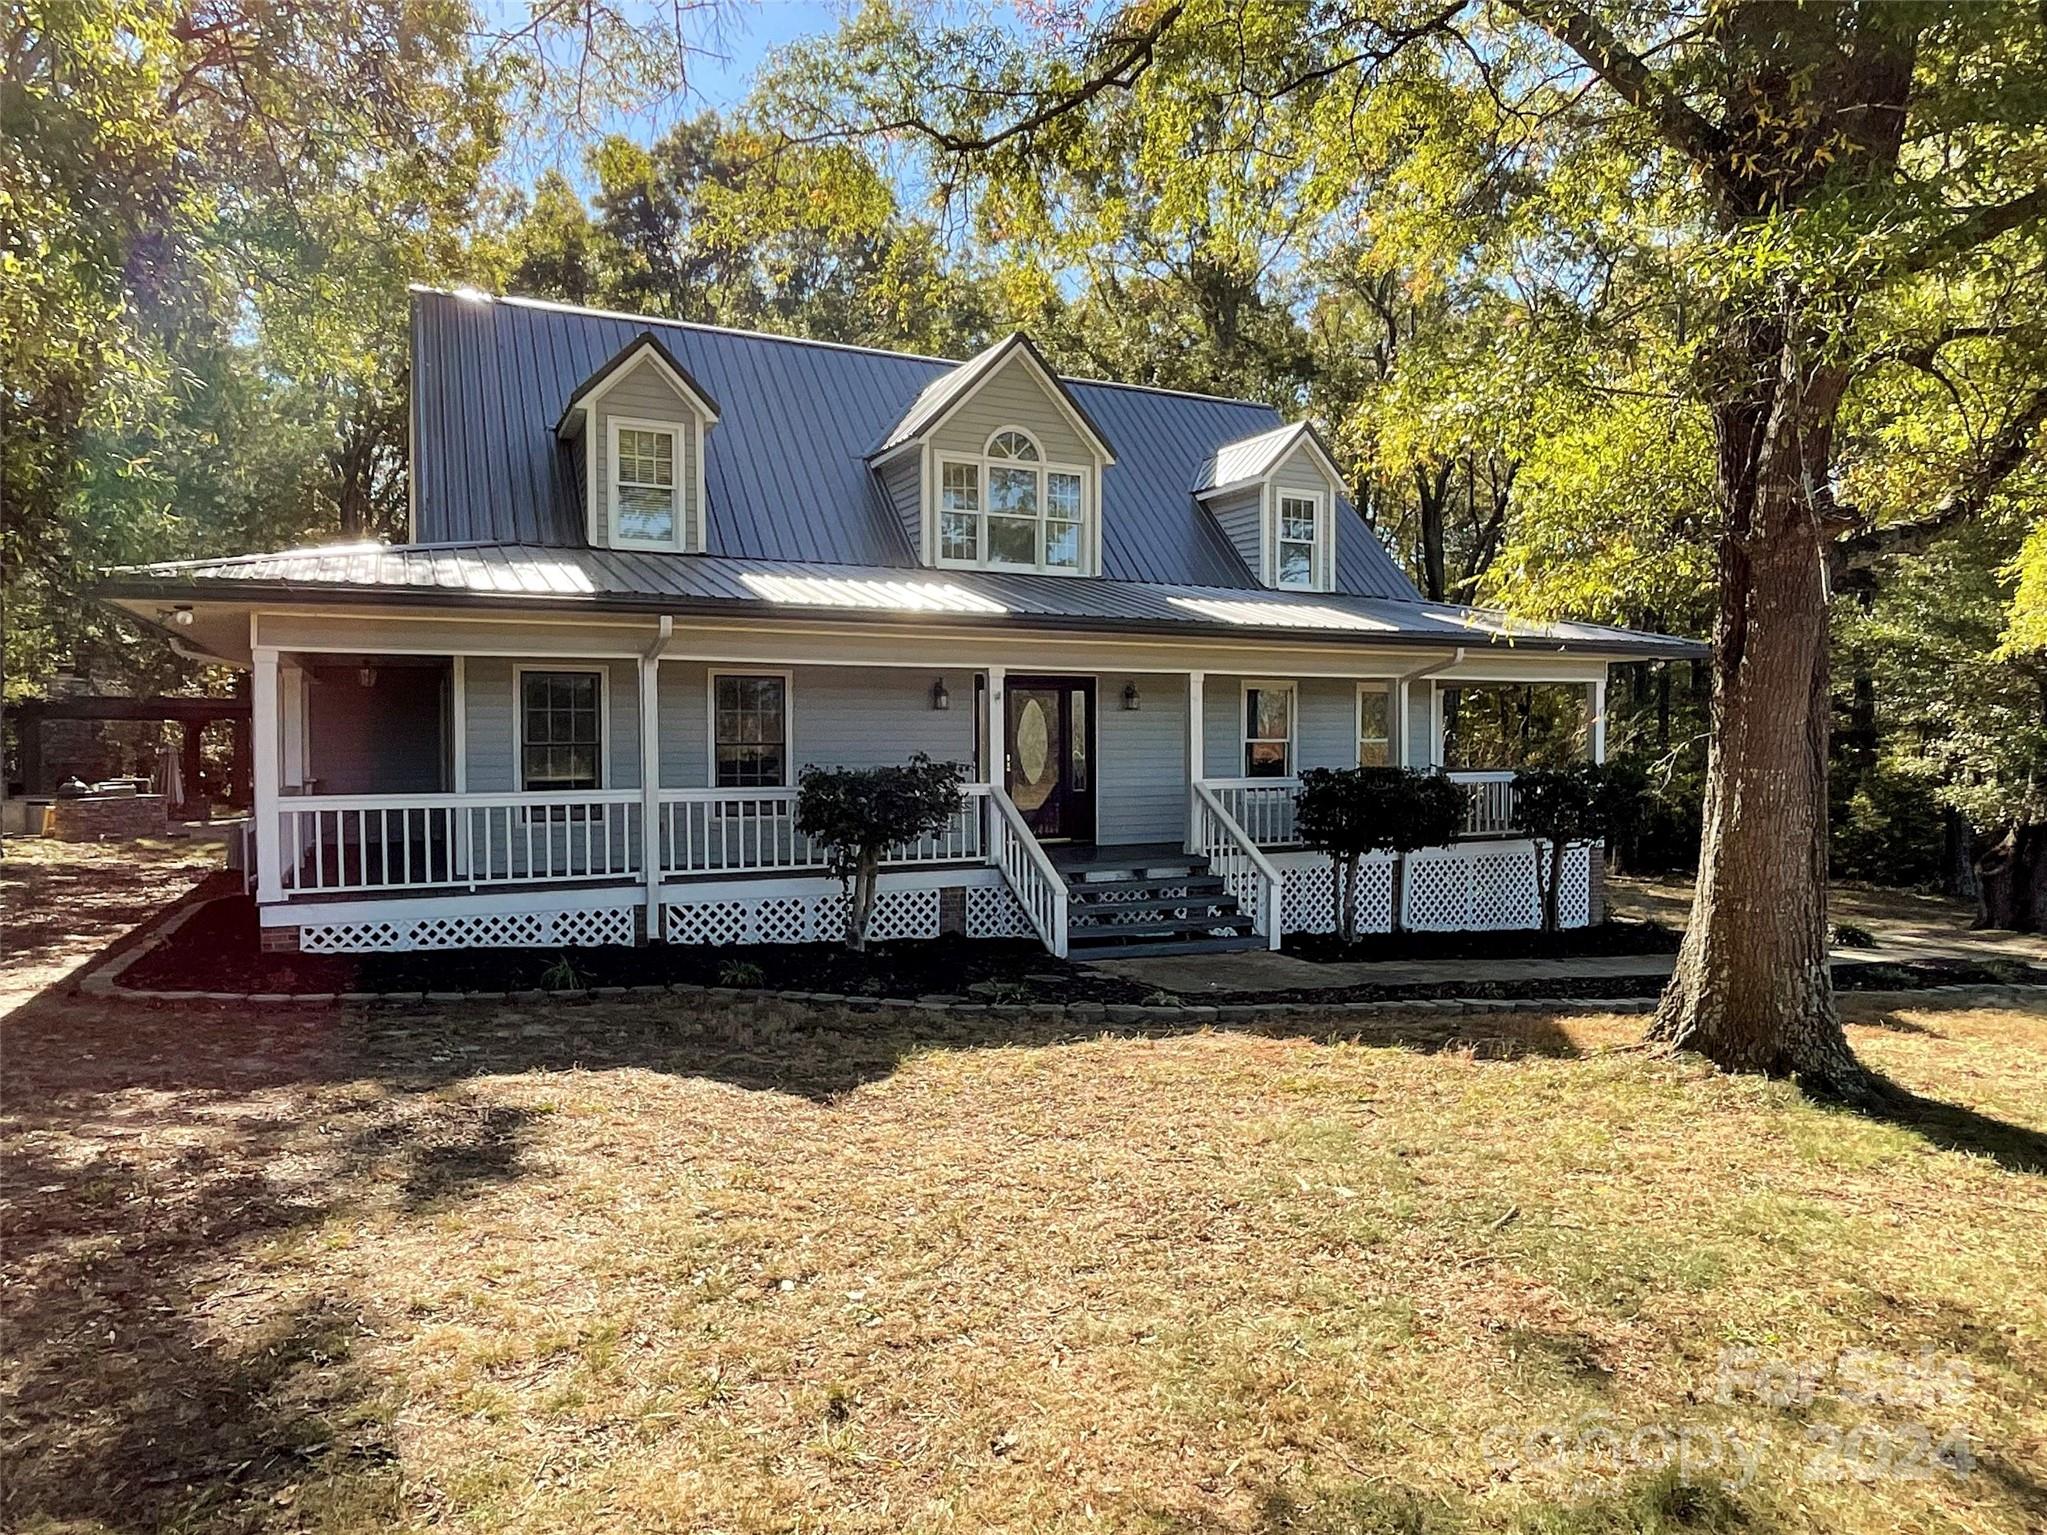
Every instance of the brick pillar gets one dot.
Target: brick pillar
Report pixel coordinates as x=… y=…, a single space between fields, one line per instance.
x=1595 y=880
x=280 y=940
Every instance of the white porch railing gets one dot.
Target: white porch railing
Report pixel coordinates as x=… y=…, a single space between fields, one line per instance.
x=1495 y=807
x=1264 y=807
x=344 y=843
x=1235 y=858
x=753 y=831
x=1028 y=870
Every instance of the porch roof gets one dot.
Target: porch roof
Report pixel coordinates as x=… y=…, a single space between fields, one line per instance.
x=500 y=575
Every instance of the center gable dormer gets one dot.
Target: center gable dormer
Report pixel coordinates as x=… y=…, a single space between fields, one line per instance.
x=1275 y=495
x=641 y=419
x=996 y=466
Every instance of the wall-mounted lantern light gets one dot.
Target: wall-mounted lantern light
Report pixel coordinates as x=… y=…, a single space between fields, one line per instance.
x=1130 y=698
x=366 y=676
x=940 y=699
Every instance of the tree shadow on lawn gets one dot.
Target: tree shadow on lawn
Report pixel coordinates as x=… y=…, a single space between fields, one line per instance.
x=156 y=1375
x=1952 y=1127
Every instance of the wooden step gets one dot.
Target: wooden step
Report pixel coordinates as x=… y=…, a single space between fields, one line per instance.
x=1166 y=908
x=1110 y=892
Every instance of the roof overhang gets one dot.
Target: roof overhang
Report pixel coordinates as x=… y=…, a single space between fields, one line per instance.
x=646 y=347
x=1299 y=435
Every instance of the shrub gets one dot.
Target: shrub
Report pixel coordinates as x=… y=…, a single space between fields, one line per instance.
x=858 y=814
x=1349 y=812
x=1565 y=806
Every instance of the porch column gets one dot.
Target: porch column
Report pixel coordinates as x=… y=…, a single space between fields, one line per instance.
x=1598 y=702
x=650 y=788
x=1399 y=751
x=1197 y=769
x=265 y=741
x=190 y=765
x=995 y=766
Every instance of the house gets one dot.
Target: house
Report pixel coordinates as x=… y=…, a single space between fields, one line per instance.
x=655 y=569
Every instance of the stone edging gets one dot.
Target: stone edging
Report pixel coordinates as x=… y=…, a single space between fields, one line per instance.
x=101 y=982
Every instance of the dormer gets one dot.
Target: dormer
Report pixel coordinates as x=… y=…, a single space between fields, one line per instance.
x=996 y=466
x=1274 y=495
x=641 y=419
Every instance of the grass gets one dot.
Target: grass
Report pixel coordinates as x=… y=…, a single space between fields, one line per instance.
x=592 y=1266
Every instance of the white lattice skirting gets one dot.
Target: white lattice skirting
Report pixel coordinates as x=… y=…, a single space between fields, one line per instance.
x=801 y=918
x=1488 y=888
x=585 y=927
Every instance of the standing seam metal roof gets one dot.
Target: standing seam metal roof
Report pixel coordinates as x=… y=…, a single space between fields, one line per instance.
x=785 y=468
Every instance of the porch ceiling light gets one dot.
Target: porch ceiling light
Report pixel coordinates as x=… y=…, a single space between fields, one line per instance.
x=1280 y=615
x=855 y=592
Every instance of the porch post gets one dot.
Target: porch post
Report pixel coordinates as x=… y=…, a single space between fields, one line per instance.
x=1398 y=750
x=1197 y=769
x=996 y=766
x=264 y=741
x=650 y=786
x=1598 y=701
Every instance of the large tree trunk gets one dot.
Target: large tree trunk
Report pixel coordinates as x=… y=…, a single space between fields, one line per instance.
x=2013 y=880
x=1751 y=988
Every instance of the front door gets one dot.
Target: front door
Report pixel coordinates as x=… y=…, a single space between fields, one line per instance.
x=1049 y=743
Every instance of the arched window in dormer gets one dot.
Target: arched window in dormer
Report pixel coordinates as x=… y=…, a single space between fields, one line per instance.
x=1010 y=509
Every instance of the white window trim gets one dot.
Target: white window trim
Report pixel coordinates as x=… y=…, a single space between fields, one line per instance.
x=1387 y=691
x=1293 y=722
x=711 y=726
x=603 y=675
x=1319 y=557
x=613 y=425
x=1089 y=539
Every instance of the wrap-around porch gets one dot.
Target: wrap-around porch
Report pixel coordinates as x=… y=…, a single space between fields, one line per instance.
x=415 y=800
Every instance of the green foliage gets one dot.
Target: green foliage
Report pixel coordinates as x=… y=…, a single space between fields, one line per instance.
x=1348 y=812
x=1563 y=807
x=857 y=814
x=742 y=973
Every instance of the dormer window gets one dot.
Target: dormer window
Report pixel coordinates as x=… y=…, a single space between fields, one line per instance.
x=643 y=486
x=1298 y=546
x=1009 y=509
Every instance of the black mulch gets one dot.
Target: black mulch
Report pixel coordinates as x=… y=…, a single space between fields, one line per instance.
x=1607 y=938
x=217 y=950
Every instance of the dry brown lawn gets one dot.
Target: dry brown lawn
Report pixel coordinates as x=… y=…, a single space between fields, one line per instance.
x=611 y=1266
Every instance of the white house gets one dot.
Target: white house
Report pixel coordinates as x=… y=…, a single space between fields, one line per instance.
x=658 y=568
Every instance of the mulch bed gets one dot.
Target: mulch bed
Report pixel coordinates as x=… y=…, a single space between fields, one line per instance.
x=217 y=951
x=1607 y=938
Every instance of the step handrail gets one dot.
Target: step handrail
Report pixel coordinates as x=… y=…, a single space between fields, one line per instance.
x=1027 y=869
x=1246 y=871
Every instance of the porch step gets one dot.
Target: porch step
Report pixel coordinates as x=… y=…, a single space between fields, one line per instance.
x=1151 y=950
x=1124 y=936
x=1114 y=892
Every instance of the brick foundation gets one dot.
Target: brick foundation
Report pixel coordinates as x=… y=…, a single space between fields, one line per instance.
x=105 y=818
x=280 y=940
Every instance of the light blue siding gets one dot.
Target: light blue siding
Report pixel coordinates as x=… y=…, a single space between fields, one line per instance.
x=1421 y=724
x=1324 y=728
x=1141 y=760
x=839 y=717
x=493 y=726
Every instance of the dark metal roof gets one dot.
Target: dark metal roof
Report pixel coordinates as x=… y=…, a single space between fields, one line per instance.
x=785 y=468
x=512 y=575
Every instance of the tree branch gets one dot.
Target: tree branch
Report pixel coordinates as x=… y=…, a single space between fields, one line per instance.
x=1702 y=142
x=1976 y=227
x=2008 y=449
x=1121 y=74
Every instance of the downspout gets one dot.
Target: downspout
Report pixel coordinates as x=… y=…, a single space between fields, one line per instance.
x=650 y=771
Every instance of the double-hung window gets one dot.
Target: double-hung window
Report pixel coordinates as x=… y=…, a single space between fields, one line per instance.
x=1375 y=725
x=646 y=502
x=1268 y=729
x=750 y=730
x=561 y=731
x=1010 y=509
x=1296 y=556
